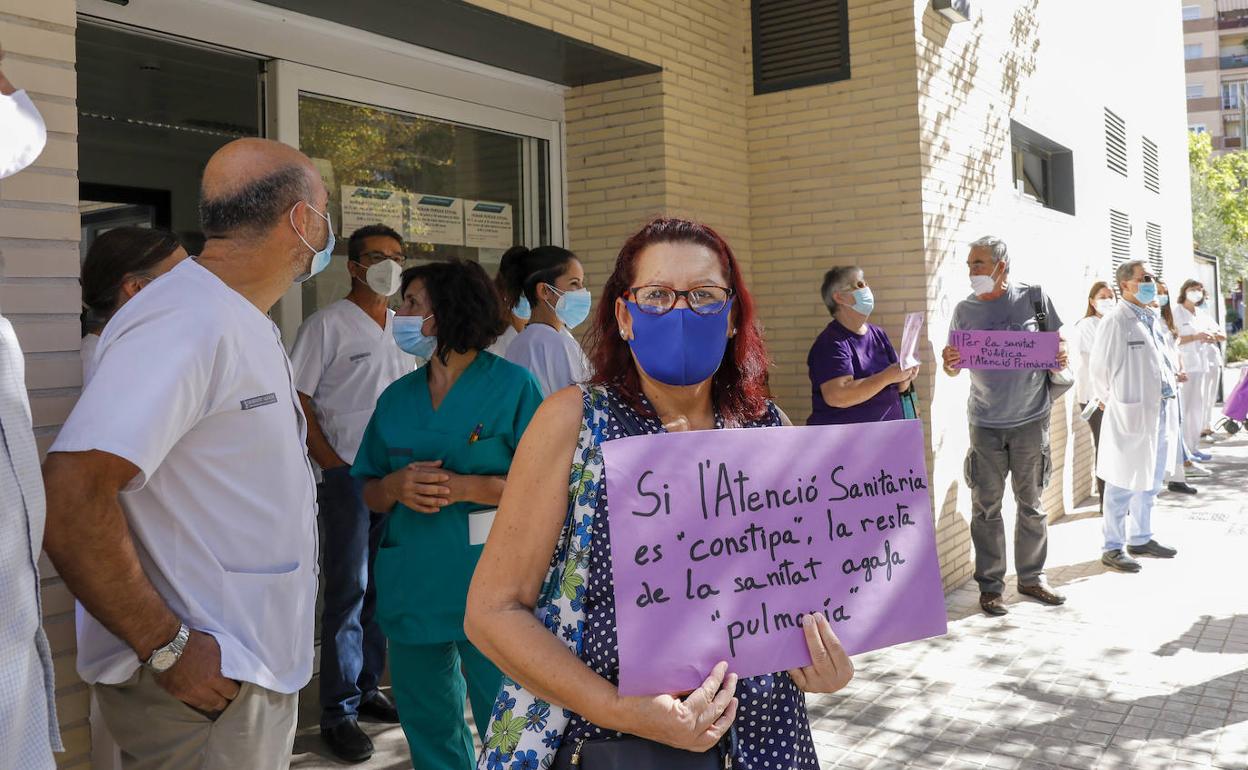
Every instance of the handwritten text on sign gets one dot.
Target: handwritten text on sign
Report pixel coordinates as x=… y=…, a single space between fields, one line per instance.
x=1006 y=350
x=723 y=541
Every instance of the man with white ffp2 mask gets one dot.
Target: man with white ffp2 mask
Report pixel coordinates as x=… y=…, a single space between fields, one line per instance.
x=344 y=357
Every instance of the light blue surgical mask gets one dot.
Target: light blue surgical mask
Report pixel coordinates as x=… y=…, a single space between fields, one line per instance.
x=1163 y=300
x=409 y=337
x=864 y=301
x=1146 y=292
x=573 y=306
x=522 y=309
x=320 y=259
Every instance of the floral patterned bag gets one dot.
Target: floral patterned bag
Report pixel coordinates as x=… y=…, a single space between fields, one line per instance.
x=525 y=731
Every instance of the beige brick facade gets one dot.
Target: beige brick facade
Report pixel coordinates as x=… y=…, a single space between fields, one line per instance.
x=39 y=288
x=894 y=169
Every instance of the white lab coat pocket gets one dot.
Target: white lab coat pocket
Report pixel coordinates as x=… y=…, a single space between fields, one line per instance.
x=1130 y=419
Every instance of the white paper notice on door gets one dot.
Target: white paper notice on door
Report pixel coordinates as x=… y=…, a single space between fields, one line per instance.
x=437 y=219
x=910 y=340
x=487 y=225
x=363 y=206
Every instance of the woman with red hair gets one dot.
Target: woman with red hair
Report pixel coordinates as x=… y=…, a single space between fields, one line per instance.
x=675 y=346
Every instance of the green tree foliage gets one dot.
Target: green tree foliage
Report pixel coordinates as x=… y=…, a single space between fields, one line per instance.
x=1220 y=206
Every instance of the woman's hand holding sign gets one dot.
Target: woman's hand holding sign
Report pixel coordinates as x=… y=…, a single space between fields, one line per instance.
x=830 y=668
x=695 y=722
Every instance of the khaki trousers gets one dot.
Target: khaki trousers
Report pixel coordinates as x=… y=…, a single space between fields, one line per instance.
x=156 y=731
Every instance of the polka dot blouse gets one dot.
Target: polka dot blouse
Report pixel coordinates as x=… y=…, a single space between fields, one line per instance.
x=773 y=732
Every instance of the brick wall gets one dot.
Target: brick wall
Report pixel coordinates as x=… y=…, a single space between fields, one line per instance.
x=39 y=288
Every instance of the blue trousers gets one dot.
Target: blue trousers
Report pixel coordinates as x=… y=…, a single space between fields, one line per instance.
x=1128 y=516
x=353 y=648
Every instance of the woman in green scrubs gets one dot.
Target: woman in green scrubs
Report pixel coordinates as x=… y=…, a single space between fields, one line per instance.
x=437 y=452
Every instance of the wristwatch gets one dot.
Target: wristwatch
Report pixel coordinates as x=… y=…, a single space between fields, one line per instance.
x=164 y=657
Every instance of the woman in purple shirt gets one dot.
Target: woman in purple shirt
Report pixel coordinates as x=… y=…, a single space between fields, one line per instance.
x=854 y=374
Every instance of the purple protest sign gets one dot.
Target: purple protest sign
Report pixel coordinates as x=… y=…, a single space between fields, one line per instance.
x=1006 y=350
x=723 y=540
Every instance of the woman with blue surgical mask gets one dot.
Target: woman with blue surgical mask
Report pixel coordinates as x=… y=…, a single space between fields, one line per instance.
x=854 y=373
x=676 y=346
x=435 y=457
x=515 y=306
x=550 y=282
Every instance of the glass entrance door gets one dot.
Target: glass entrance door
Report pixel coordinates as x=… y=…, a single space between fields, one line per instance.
x=454 y=179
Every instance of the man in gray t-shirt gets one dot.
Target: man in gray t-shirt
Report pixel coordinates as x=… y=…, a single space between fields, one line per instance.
x=1008 y=416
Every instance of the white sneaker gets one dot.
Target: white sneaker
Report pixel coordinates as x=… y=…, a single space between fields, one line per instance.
x=1196 y=469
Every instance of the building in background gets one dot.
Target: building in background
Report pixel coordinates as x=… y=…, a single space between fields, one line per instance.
x=1215 y=52
x=871 y=132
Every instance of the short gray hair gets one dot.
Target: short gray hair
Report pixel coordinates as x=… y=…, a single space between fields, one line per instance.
x=838 y=279
x=1124 y=271
x=255 y=206
x=997 y=246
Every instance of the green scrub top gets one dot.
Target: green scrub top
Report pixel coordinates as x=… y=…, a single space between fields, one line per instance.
x=425 y=563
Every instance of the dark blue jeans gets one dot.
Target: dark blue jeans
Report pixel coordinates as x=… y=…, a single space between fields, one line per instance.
x=353 y=649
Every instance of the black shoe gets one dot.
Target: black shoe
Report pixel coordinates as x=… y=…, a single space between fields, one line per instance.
x=348 y=741
x=380 y=708
x=1181 y=487
x=1118 y=560
x=992 y=605
x=1043 y=594
x=1152 y=548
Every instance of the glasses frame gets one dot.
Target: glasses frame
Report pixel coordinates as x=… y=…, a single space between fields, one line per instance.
x=682 y=293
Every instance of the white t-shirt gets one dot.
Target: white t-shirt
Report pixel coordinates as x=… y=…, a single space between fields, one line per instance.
x=90 y=344
x=1085 y=335
x=23 y=130
x=193 y=386
x=554 y=358
x=499 y=348
x=343 y=361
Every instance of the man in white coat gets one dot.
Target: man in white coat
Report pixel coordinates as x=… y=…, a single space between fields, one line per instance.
x=1135 y=380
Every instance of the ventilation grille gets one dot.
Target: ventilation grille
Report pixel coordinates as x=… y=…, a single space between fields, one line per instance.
x=1152 y=236
x=1152 y=170
x=799 y=43
x=1115 y=143
x=1119 y=238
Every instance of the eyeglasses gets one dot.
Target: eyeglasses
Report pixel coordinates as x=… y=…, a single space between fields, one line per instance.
x=377 y=256
x=703 y=300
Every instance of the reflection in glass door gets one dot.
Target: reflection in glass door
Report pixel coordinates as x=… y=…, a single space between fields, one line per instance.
x=454 y=179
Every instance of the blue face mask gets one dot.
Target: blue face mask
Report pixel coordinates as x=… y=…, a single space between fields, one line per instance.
x=1146 y=292
x=409 y=337
x=573 y=306
x=522 y=309
x=864 y=301
x=680 y=347
x=320 y=259
x=1163 y=300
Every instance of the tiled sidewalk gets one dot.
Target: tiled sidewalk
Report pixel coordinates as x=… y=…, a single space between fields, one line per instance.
x=1136 y=671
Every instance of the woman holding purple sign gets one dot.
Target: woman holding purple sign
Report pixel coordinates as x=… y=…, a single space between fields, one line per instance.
x=677 y=349
x=854 y=373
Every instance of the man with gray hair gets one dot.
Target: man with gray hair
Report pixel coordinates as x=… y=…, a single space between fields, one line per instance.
x=1135 y=379
x=181 y=502
x=1008 y=415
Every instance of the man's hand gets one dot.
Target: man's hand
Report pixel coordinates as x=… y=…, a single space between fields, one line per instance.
x=952 y=358
x=420 y=486
x=1063 y=360
x=196 y=678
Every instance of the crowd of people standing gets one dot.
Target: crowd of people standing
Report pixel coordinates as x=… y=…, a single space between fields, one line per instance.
x=439 y=464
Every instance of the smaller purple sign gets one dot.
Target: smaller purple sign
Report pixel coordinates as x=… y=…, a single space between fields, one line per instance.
x=983 y=349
